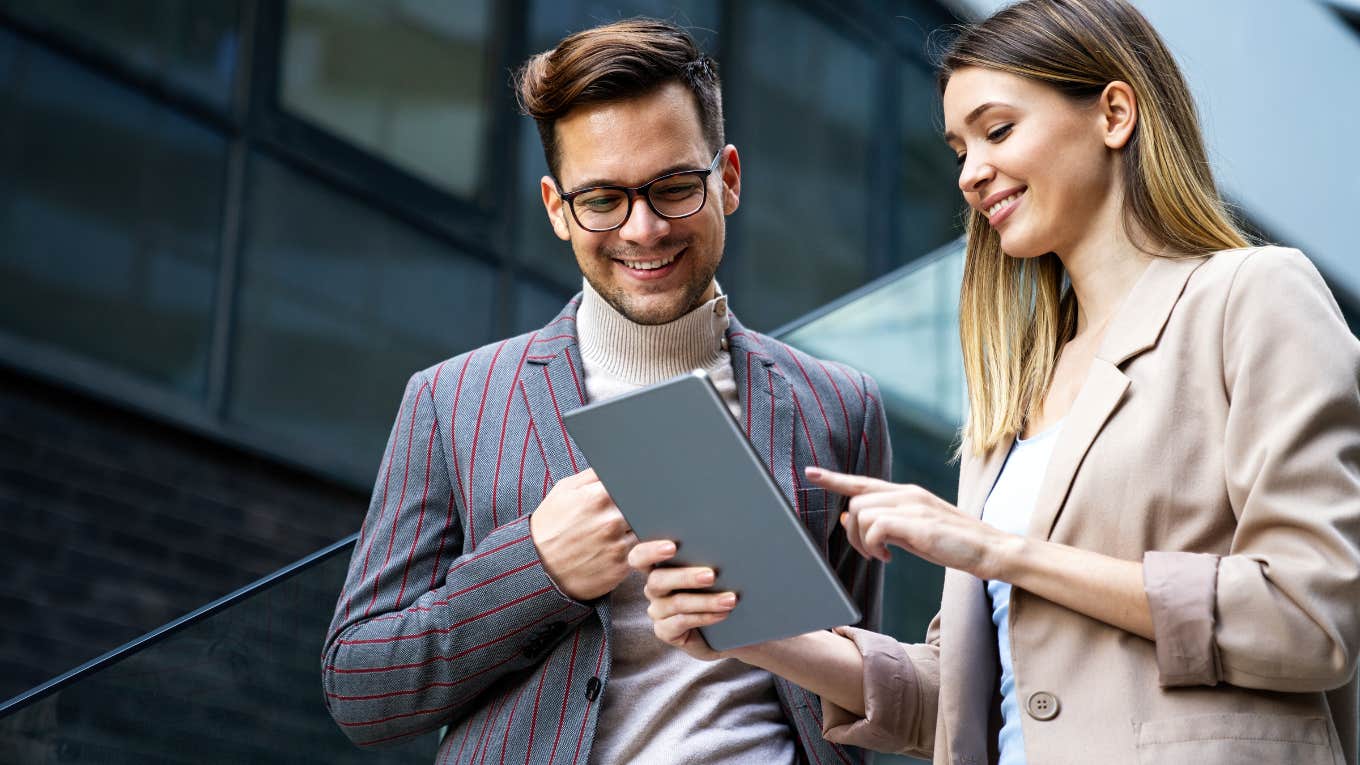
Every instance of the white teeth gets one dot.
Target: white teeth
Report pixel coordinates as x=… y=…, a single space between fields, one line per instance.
x=994 y=209
x=649 y=265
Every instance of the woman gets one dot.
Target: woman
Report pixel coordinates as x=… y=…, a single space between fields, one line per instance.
x=1154 y=557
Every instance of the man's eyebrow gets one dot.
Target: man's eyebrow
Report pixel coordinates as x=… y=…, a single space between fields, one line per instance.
x=972 y=117
x=596 y=182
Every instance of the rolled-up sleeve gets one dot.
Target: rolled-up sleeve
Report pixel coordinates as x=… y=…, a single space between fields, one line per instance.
x=1279 y=611
x=1181 y=588
x=901 y=697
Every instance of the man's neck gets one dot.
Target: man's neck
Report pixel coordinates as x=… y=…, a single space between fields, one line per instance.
x=643 y=354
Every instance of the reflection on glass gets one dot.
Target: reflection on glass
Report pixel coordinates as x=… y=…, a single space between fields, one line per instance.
x=242 y=686
x=338 y=306
x=191 y=45
x=803 y=126
x=905 y=335
x=549 y=21
x=402 y=78
x=109 y=213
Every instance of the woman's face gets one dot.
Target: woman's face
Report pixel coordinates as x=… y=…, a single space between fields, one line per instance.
x=1037 y=165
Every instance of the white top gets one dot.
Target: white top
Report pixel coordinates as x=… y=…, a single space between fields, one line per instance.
x=1009 y=507
x=660 y=705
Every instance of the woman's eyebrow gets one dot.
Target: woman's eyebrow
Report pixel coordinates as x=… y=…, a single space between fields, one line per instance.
x=972 y=117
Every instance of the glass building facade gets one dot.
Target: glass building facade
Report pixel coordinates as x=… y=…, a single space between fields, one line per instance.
x=230 y=229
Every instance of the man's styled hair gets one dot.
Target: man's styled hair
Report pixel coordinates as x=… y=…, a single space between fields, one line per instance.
x=615 y=62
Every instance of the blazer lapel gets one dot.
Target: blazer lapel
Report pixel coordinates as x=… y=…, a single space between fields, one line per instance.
x=552 y=384
x=1133 y=330
x=767 y=408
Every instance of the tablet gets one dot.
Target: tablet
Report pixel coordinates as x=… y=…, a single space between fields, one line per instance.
x=678 y=465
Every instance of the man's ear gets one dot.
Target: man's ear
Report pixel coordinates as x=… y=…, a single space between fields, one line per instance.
x=731 y=180
x=1118 y=113
x=557 y=212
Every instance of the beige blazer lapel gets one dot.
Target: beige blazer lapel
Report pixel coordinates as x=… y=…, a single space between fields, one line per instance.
x=1133 y=330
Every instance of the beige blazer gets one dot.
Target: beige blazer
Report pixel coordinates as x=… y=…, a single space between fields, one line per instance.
x=1217 y=440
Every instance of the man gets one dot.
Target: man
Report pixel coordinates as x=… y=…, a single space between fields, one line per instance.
x=489 y=591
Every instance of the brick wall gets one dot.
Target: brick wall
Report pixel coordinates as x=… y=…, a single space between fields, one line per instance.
x=112 y=524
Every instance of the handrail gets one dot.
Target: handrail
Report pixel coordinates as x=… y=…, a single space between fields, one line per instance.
x=137 y=645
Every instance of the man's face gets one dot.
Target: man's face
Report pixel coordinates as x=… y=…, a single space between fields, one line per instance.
x=652 y=270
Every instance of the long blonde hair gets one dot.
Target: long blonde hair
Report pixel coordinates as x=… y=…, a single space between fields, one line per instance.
x=1015 y=314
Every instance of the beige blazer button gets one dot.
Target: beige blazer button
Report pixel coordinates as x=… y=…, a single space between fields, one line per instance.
x=1042 y=705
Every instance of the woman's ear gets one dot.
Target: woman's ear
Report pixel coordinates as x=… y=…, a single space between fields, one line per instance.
x=1118 y=113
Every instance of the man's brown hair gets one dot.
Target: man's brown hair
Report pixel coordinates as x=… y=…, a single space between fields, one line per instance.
x=615 y=62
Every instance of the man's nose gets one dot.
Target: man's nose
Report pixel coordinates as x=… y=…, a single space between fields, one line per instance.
x=644 y=226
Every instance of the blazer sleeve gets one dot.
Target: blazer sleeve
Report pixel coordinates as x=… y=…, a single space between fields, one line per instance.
x=1281 y=611
x=863 y=577
x=901 y=681
x=420 y=630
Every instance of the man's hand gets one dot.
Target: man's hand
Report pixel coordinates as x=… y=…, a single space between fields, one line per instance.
x=582 y=537
x=676 y=612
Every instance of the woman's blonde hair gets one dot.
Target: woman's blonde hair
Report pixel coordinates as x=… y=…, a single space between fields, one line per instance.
x=1015 y=314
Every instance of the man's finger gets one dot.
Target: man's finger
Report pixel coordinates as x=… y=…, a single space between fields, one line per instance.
x=647 y=555
x=844 y=483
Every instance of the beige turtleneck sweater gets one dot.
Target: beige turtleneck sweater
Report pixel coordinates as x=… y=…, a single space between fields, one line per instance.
x=661 y=706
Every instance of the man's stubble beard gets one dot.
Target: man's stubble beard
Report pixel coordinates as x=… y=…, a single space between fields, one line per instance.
x=620 y=299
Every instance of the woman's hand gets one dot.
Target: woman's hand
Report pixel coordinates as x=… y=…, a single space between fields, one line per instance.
x=909 y=517
x=676 y=612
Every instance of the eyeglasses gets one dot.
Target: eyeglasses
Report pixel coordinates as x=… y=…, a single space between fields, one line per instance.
x=671 y=196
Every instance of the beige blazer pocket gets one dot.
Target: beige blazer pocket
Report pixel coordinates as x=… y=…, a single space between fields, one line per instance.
x=1235 y=738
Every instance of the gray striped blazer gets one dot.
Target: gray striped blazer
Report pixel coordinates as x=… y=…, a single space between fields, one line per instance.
x=447 y=617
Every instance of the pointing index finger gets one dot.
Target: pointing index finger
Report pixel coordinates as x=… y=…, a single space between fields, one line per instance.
x=844 y=483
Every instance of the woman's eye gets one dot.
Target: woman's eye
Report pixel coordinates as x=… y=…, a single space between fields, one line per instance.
x=960 y=159
x=999 y=133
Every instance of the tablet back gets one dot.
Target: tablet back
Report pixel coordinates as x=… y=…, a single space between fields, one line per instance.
x=679 y=467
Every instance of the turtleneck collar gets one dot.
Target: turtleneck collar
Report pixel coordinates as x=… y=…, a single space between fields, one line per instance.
x=641 y=354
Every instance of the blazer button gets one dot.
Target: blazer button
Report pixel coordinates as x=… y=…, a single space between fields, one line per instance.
x=1042 y=705
x=593 y=688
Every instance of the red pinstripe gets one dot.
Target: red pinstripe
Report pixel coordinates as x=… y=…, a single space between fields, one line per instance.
x=845 y=413
x=453 y=436
x=558 y=411
x=467 y=733
x=519 y=485
x=424 y=496
x=533 y=721
x=566 y=694
x=426 y=687
x=408 y=734
x=484 y=553
x=878 y=440
x=547 y=340
x=771 y=376
x=813 y=705
x=451 y=627
x=476 y=436
x=406 y=475
x=580 y=392
x=599 y=662
x=492 y=712
x=455 y=657
x=510 y=722
x=830 y=447
x=748 y=395
x=443 y=541
x=505 y=422
x=387 y=476
x=534 y=427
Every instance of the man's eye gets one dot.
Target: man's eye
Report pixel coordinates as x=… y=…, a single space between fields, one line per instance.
x=999 y=133
x=599 y=202
x=678 y=190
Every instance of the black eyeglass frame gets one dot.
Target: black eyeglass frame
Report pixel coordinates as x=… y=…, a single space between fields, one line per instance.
x=633 y=192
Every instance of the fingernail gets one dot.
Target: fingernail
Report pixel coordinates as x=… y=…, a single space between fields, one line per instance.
x=728 y=600
x=706 y=577
x=810 y=470
x=668 y=548
x=845 y=518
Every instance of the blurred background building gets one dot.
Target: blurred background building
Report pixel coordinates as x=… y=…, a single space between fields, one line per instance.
x=231 y=229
